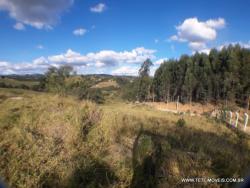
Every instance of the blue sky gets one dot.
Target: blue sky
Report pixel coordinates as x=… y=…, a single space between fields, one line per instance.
x=114 y=36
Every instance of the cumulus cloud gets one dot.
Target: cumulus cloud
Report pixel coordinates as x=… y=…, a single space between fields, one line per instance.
x=216 y=24
x=126 y=71
x=242 y=44
x=19 y=26
x=198 y=33
x=160 y=61
x=101 y=59
x=22 y=68
x=98 y=8
x=41 y=61
x=36 y=13
x=205 y=51
x=79 y=32
x=226 y=44
x=108 y=57
x=197 y=45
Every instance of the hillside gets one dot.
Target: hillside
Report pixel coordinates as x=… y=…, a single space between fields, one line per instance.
x=53 y=141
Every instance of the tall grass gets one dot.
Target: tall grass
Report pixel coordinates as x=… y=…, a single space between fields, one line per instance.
x=52 y=141
x=41 y=137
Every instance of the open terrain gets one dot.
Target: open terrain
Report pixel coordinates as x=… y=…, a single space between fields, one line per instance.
x=47 y=140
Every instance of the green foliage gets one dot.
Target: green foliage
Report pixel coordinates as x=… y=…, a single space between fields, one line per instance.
x=92 y=94
x=181 y=122
x=221 y=75
x=55 y=78
x=60 y=81
x=129 y=90
x=144 y=81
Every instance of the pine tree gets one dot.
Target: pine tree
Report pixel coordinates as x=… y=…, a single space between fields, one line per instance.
x=144 y=80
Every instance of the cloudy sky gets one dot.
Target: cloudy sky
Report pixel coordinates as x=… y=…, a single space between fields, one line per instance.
x=114 y=36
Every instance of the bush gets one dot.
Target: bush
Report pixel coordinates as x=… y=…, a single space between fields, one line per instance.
x=94 y=95
x=181 y=123
x=129 y=91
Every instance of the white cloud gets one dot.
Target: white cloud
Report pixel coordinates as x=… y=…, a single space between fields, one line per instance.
x=36 y=13
x=242 y=44
x=220 y=47
x=126 y=70
x=101 y=59
x=22 y=68
x=217 y=24
x=40 y=61
x=108 y=57
x=198 y=33
x=79 y=32
x=98 y=8
x=196 y=46
x=3 y=64
x=99 y=64
x=205 y=51
x=19 y=26
x=160 y=61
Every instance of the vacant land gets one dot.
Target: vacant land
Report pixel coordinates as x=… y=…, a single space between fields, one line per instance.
x=105 y=84
x=198 y=109
x=48 y=140
x=10 y=82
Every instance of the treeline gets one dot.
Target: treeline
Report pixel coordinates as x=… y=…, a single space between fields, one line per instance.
x=64 y=81
x=220 y=75
x=9 y=82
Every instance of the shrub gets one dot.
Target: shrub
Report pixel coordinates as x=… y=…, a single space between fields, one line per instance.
x=94 y=95
x=181 y=123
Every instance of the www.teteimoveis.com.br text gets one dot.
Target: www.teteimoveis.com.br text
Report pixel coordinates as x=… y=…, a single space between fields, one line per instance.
x=212 y=180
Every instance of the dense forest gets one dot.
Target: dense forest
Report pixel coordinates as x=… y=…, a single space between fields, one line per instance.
x=220 y=75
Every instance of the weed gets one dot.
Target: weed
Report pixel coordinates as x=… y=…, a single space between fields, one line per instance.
x=181 y=122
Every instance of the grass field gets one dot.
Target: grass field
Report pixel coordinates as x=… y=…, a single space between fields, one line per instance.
x=52 y=141
x=18 y=83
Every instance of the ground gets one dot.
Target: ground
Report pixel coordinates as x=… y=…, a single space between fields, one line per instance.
x=52 y=141
x=198 y=109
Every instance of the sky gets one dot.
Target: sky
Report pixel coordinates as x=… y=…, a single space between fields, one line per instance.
x=114 y=36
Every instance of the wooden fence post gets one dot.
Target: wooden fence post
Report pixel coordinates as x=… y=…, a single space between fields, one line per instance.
x=177 y=104
x=230 y=117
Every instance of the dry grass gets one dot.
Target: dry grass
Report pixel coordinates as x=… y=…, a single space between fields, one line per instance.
x=196 y=108
x=40 y=137
x=105 y=84
x=50 y=141
x=14 y=82
x=193 y=150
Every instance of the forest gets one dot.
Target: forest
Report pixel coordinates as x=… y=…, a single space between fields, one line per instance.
x=222 y=75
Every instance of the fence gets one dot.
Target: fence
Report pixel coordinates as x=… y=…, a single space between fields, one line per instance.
x=235 y=119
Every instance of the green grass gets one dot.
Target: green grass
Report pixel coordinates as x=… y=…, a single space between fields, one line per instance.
x=52 y=141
